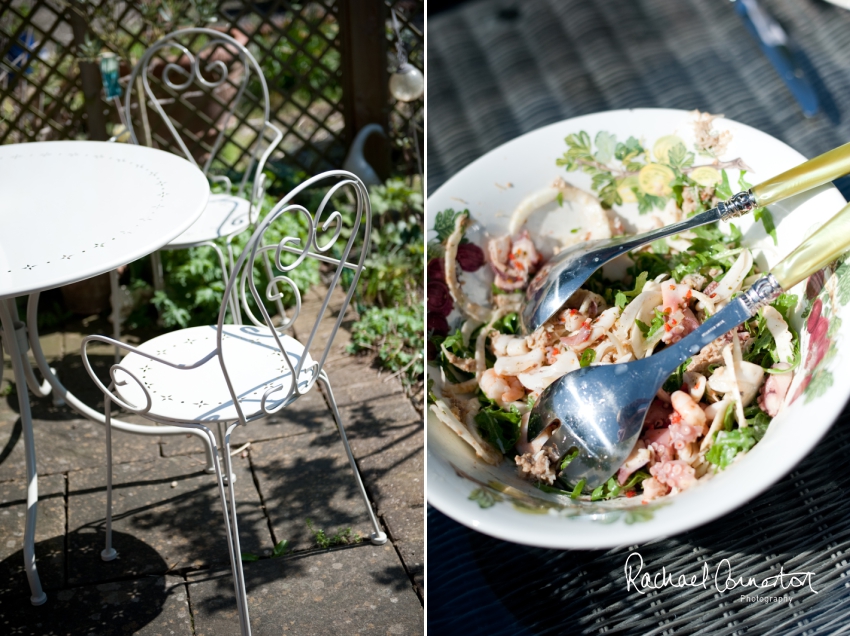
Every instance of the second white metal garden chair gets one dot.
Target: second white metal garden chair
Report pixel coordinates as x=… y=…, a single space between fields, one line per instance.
x=169 y=78
x=234 y=374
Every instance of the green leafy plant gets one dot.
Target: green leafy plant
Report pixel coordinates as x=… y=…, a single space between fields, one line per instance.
x=195 y=282
x=343 y=536
x=396 y=335
x=389 y=294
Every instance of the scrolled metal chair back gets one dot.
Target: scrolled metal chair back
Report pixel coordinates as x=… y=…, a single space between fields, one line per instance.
x=324 y=227
x=172 y=54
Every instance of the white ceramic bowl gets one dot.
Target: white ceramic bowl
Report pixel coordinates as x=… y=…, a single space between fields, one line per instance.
x=493 y=499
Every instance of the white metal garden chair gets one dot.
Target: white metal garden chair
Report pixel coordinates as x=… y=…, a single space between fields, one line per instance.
x=210 y=70
x=235 y=374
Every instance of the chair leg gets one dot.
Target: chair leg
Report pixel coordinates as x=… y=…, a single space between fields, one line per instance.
x=240 y=578
x=108 y=553
x=232 y=546
x=222 y=437
x=378 y=537
x=236 y=309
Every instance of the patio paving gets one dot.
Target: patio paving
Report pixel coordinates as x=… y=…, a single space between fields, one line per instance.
x=172 y=575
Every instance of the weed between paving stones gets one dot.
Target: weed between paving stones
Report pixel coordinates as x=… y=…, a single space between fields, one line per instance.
x=343 y=536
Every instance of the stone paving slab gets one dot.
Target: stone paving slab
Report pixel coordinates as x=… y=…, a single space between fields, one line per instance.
x=307 y=414
x=308 y=476
x=64 y=441
x=63 y=446
x=358 y=590
x=355 y=381
x=49 y=535
x=413 y=556
x=170 y=506
x=149 y=606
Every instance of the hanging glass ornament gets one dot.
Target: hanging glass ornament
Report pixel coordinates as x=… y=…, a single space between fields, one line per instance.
x=407 y=84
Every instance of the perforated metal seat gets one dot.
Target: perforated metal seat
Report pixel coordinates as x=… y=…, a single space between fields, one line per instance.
x=224 y=216
x=254 y=363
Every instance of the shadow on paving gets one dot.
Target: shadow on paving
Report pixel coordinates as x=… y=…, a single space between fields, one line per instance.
x=172 y=506
x=118 y=607
x=359 y=589
x=302 y=480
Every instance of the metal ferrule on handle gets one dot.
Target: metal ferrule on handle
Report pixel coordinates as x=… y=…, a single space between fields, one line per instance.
x=811 y=174
x=739 y=205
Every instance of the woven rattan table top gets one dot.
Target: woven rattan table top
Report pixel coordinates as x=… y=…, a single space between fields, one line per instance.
x=499 y=68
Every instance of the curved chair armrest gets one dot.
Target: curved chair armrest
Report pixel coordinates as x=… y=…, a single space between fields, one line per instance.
x=222 y=179
x=117 y=367
x=258 y=189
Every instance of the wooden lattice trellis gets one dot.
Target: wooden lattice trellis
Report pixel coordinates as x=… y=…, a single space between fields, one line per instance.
x=49 y=91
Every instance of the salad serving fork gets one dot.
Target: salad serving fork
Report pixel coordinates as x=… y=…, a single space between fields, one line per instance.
x=567 y=271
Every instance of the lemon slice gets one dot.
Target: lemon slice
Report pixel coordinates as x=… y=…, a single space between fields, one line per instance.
x=706 y=176
x=662 y=147
x=655 y=179
x=625 y=189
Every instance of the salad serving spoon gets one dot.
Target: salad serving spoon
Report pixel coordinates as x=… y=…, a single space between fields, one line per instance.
x=567 y=271
x=599 y=410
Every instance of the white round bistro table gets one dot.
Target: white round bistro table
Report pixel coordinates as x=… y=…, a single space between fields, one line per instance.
x=70 y=210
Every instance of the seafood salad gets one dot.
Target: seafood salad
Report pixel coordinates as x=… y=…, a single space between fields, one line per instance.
x=485 y=377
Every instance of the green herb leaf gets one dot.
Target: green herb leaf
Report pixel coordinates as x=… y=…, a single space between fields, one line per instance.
x=660 y=246
x=723 y=189
x=578 y=489
x=623 y=297
x=675 y=381
x=560 y=199
x=785 y=305
x=636 y=478
x=444 y=223
x=766 y=218
x=570 y=456
x=729 y=418
x=508 y=324
x=655 y=326
x=587 y=357
x=499 y=427
x=728 y=444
